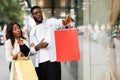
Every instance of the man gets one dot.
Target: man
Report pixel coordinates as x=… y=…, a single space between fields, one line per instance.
x=45 y=63
x=42 y=37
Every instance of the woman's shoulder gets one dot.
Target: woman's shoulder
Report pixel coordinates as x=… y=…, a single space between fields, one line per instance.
x=8 y=41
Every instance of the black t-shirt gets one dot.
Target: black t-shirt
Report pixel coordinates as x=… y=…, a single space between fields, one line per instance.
x=24 y=49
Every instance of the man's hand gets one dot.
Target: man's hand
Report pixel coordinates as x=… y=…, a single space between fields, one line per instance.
x=67 y=20
x=41 y=45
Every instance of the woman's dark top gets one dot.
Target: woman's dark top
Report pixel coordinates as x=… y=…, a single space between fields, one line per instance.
x=24 y=49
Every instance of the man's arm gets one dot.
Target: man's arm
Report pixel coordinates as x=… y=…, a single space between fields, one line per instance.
x=32 y=43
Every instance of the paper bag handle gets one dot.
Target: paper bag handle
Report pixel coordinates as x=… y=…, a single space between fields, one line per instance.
x=22 y=57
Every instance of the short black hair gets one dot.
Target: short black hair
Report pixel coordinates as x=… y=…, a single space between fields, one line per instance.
x=34 y=7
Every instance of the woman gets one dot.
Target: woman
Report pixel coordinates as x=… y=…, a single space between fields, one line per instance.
x=15 y=43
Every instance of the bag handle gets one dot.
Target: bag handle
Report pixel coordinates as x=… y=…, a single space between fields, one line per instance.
x=22 y=57
x=67 y=22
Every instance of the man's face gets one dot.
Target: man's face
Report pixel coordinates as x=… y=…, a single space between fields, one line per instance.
x=37 y=15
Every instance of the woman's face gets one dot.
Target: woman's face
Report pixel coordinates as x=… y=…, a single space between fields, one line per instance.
x=16 y=31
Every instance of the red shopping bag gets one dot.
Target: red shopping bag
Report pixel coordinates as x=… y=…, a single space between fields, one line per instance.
x=67 y=46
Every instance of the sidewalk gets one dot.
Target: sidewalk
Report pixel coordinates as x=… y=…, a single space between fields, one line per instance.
x=4 y=70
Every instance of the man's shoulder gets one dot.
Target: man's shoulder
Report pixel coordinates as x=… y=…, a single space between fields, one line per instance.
x=51 y=19
x=33 y=30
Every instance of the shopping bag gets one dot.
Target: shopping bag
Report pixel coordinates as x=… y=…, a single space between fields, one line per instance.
x=13 y=74
x=25 y=70
x=67 y=46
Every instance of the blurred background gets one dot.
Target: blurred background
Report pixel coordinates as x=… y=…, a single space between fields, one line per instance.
x=85 y=12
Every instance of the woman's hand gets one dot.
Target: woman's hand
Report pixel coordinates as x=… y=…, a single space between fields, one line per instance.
x=15 y=56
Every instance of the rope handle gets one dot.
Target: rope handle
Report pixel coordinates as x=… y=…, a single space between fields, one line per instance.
x=67 y=22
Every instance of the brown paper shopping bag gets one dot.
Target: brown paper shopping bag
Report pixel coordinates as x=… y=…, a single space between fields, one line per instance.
x=67 y=46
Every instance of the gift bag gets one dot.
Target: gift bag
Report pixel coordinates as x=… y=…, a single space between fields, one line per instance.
x=13 y=74
x=67 y=46
x=25 y=70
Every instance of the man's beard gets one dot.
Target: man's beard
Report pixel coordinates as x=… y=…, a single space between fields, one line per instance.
x=38 y=21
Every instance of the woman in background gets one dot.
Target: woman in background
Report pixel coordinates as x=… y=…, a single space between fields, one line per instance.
x=15 y=43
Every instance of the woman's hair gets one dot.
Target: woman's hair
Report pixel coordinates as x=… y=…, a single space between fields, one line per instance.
x=9 y=32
